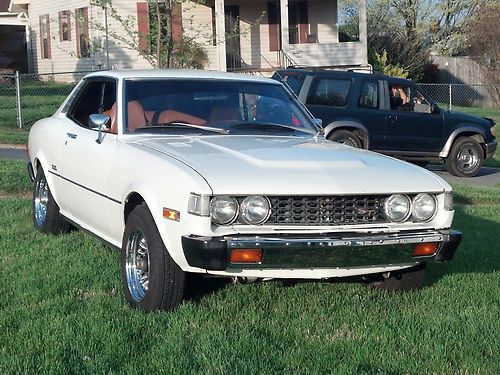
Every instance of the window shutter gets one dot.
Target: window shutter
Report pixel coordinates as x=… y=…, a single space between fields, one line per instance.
x=176 y=22
x=303 y=22
x=143 y=27
x=274 y=26
x=77 y=31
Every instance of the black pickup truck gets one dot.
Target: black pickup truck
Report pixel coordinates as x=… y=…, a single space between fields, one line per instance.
x=392 y=116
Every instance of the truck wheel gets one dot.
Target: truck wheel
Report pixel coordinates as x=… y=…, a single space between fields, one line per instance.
x=46 y=216
x=151 y=279
x=345 y=137
x=465 y=158
x=407 y=279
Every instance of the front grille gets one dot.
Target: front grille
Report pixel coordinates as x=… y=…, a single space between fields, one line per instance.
x=329 y=210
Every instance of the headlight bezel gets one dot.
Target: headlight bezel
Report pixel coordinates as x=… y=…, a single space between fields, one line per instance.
x=386 y=209
x=415 y=215
x=243 y=206
x=222 y=198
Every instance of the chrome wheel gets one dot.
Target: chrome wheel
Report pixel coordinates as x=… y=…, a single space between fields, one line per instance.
x=137 y=265
x=467 y=159
x=41 y=199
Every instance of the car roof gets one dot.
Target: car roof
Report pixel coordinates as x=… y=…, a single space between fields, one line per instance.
x=343 y=73
x=178 y=73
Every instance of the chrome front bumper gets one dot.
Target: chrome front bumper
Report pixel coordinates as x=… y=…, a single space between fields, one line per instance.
x=323 y=251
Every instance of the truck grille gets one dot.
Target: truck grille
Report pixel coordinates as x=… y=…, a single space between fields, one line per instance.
x=329 y=210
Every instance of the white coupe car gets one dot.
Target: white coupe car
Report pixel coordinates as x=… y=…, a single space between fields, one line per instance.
x=224 y=174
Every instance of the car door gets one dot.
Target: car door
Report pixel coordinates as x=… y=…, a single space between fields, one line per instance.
x=412 y=127
x=85 y=161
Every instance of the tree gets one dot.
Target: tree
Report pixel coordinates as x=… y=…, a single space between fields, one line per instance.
x=160 y=51
x=484 y=40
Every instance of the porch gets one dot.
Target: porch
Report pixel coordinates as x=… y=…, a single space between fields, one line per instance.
x=261 y=35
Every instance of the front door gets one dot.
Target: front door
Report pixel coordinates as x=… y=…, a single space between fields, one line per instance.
x=233 y=51
x=84 y=165
x=410 y=125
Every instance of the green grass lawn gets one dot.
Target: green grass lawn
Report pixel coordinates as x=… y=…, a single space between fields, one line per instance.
x=62 y=310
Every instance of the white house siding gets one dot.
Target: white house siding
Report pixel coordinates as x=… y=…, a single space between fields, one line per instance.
x=197 y=24
x=121 y=56
x=323 y=20
x=63 y=54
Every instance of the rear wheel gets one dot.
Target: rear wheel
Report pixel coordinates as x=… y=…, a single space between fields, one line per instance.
x=465 y=158
x=407 y=279
x=46 y=216
x=151 y=279
x=345 y=137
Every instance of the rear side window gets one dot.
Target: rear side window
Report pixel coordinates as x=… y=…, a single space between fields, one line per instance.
x=331 y=92
x=369 y=95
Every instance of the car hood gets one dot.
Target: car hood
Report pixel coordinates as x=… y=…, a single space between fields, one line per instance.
x=291 y=165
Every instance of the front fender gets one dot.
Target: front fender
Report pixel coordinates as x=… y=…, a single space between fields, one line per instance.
x=348 y=125
x=470 y=130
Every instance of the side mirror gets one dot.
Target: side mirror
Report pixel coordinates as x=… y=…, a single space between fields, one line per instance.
x=99 y=122
x=434 y=108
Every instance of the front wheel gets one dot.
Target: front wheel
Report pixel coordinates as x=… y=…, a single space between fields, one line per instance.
x=407 y=279
x=151 y=279
x=465 y=158
x=345 y=137
x=46 y=216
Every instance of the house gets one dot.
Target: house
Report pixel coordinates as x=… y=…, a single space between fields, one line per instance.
x=13 y=26
x=246 y=35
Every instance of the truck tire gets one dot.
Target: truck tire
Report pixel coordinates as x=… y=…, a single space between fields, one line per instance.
x=465 y=158
x=151 y=279
x=345 y=137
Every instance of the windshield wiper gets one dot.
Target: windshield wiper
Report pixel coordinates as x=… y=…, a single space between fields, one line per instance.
x=263 y=126
x=186 y=125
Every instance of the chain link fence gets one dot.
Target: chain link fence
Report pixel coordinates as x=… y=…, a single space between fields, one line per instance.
x=25 y=98
x=461 y=95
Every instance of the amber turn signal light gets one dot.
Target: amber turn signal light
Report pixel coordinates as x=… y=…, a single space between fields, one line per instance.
x=425 y=249
x=246 y=256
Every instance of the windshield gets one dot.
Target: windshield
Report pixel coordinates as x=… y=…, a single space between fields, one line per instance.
x=208 y=106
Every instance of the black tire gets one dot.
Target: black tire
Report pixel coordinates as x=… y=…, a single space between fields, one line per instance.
x=151 y=279
x=466 y=158
x=407 y=279
x=345 y=137
x=45 y=211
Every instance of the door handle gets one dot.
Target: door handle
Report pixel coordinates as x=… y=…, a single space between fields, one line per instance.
x=71 y=135
x=393 y=118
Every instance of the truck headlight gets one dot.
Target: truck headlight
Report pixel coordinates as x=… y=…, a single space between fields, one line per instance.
x=424 y=206
x=255 y=209
x=223 y=209
x=397 y=207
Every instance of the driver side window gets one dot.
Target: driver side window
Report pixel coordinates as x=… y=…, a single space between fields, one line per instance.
x=97 y=97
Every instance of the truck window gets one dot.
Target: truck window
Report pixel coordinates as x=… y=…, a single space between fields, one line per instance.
x=328 y=91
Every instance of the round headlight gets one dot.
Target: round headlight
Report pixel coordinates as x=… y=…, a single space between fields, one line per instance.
x=255 y=209
x=424 y=206
x=397 y=207
x=223 y=209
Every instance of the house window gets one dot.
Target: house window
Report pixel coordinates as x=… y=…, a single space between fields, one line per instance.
x=82 y=32
x=64 y=25
x=147 y=24
x=45 y=36
x=348 y=21
x=298 y=22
